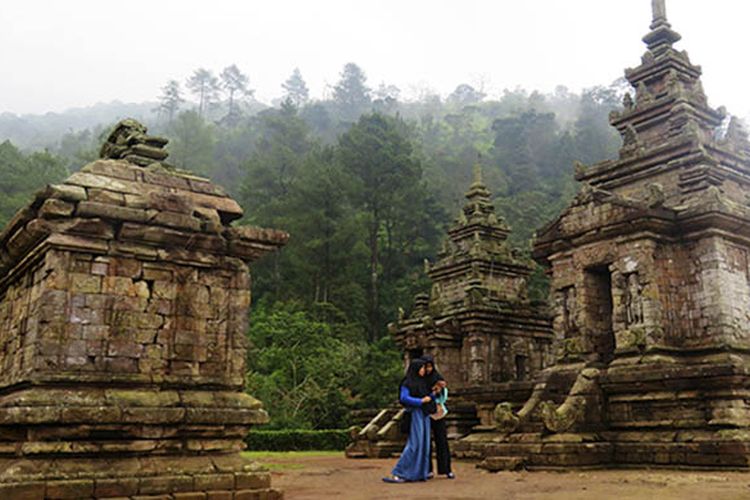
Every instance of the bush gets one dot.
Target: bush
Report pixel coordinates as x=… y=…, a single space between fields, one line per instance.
x=297 y=440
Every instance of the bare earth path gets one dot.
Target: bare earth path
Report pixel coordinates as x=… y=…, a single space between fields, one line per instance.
x=328 y=476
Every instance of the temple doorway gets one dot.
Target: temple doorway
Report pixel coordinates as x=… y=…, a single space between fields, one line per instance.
x=598 y=286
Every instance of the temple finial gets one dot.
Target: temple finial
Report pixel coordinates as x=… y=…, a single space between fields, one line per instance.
x=659 y=9
x=477 y=173
x=662 y=37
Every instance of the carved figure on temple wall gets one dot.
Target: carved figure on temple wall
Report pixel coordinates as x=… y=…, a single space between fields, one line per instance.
x=655 y=197
x=629 y=136
x=633 y=300
x=476 y=354
x=569 y=312
x=627 y=101
x=643 y=95
x=672 y=82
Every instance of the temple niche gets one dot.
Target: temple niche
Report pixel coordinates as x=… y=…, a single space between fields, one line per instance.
x=489 y=340
x=124 y=298
x=651 y=291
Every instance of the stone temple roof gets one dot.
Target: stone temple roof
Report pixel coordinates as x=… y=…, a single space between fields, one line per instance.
x=119 y=205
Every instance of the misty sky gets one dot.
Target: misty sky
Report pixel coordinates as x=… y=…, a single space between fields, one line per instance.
x=60 y=54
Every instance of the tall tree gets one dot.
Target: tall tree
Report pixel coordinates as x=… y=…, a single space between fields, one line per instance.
x=387 y=173
x=170 y=99
x=235 y=83
x=21 y=175
x=192 y=143
x=295 y=89
x=205 y=86
x=351 y=93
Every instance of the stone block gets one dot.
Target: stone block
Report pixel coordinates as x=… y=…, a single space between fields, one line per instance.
x=123 y=487
x=165 y=484
x=85 y=283
x=248 y=495
x=206 y=482
x=53 y=207
x=220 y=495
x=110 y=212
x=73 y=489
x=106 y=196
x=252 y=480
x=23 y=491
x=189 y=496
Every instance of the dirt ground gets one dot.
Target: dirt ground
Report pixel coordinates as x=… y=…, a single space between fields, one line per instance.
x=331 y=477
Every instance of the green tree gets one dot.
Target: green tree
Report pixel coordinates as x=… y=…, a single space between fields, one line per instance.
x=192 y=143
x=236 y=84
x=295 y=89
x=300 y=368
x=21 y=175
x=351 y=94
x=170 y=100
x=388 y=189
x=205 y=86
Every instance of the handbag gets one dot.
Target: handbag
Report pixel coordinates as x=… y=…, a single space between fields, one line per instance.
x=442 y=410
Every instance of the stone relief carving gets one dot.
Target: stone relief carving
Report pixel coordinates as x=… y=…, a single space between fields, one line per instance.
x=570 y=323
x=633 y=300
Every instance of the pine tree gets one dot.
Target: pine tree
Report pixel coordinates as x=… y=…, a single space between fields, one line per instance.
x=351 y=93
x=295 y=89
x=235 y=83
x=170 y=99
x=204 y=85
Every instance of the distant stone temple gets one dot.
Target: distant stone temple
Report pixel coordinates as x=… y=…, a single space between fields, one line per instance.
x=489 y=340
x=651 y=292
x=124 y=297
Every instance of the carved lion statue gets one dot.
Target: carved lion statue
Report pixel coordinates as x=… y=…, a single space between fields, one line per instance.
x=505 y=420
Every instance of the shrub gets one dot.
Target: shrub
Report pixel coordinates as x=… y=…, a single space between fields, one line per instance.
x=297 y=440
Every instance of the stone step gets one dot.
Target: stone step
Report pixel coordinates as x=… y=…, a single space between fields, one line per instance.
x=498 y=463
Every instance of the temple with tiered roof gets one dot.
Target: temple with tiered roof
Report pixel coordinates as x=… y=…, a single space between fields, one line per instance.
x=650 y=282
x=489 y=340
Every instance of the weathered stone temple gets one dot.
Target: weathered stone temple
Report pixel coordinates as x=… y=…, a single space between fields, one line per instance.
x=488 y=338
x=651 y=289
x=124 y=297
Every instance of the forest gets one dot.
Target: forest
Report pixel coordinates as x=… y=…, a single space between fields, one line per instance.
x=365 y=181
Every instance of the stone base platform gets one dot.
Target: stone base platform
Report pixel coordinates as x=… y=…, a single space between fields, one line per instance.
x=498 y=451
x=668 y=410
x=226 y=477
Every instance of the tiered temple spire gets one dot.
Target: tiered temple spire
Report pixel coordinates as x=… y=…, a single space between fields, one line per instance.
x=661 y=37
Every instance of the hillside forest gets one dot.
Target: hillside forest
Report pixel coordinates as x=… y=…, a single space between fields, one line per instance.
x=365 y=181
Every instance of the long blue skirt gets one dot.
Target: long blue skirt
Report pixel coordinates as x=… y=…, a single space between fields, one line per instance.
x=414 y=464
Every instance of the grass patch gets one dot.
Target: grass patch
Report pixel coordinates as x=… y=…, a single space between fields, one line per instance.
x=289 y=455
x=285 y=460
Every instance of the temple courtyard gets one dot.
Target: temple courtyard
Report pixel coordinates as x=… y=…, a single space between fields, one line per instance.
x=325 y=475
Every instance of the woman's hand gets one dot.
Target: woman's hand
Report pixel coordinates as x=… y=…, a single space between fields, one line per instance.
x=426 y=399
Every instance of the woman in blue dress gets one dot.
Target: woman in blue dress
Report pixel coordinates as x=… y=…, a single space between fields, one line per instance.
x=414 y=394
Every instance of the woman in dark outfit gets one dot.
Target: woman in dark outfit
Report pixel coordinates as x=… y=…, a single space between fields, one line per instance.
x=414 y=394
x=443 y=452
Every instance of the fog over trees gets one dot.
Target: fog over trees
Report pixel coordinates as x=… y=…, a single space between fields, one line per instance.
x=366 y=182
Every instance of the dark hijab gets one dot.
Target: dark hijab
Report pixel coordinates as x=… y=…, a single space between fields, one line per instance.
x=433 y=377
x=417 y=385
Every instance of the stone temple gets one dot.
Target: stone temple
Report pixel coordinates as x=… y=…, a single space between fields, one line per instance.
x=645 y=357
x=124 y=297
x=489 y=339
x=651 y=292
